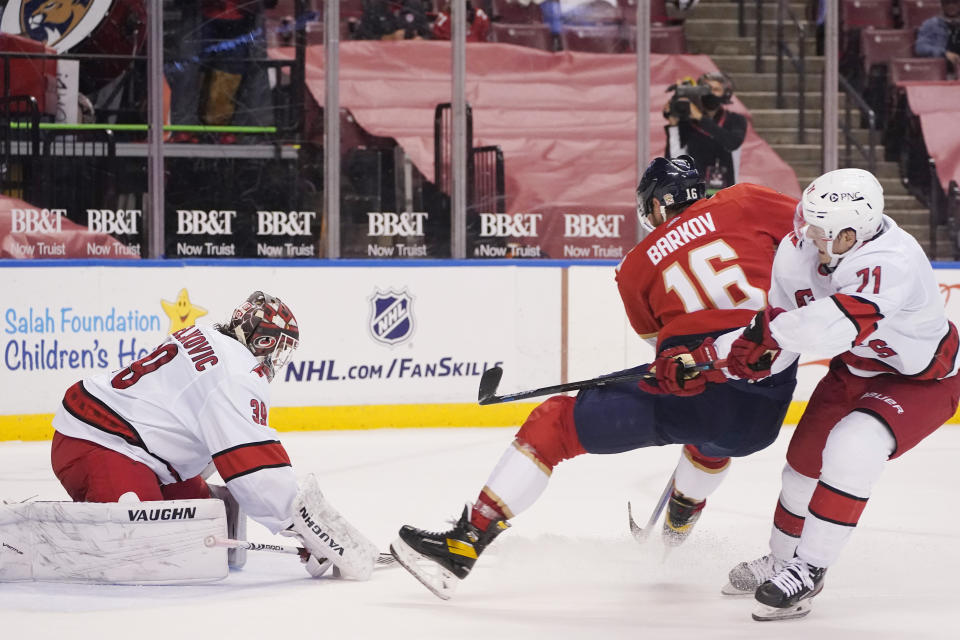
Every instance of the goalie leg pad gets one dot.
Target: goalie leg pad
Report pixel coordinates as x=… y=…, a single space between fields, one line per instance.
x=328 y=534
x=236 y=525
x=107 y=543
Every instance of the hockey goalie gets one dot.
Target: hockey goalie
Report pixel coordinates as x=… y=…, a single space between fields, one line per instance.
x=131 y=446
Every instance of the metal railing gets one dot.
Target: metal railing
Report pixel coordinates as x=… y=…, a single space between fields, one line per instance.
x=489 y=183
x=19 y=146
x=953 y=217
x=868 y=153
x=798 y=60
x=758 y=36
x=485 y=169
x=944 y=210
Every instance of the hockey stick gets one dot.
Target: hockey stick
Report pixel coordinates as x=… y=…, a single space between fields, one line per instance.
x=642 y=534
x=491 y=378
x=383 y=560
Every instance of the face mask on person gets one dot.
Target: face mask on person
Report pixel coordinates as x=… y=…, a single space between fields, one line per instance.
x=710 y=102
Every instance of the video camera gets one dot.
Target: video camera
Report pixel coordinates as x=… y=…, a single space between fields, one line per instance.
x=683 y=94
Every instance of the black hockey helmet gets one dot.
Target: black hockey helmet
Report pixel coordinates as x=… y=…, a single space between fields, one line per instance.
x=671 y=181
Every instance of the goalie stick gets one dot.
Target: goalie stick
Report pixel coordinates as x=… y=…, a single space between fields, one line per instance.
x=487 y=393
x=641 y=534
x=383 y=560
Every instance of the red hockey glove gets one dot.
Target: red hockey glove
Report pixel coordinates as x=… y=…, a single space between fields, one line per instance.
x=752 y=354
x=675 y=372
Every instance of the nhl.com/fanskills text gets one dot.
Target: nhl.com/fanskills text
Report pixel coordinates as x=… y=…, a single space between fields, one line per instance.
x=397 y=368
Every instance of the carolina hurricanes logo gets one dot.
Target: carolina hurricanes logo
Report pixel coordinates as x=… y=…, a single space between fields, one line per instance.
x=59 y=24
x=265 y=342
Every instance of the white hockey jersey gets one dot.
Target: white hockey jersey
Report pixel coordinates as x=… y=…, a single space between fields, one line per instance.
x=200 y=396
x=881 y=310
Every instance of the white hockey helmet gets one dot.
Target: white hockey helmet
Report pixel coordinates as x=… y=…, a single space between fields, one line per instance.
x=838 y=200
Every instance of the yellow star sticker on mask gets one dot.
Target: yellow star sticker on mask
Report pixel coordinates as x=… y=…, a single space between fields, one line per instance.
x=182 y=313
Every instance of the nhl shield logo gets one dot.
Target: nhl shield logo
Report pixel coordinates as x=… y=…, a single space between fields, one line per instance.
x=59 y=24
x=391 y=316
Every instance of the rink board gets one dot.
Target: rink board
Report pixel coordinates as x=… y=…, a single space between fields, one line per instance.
x=398 y=345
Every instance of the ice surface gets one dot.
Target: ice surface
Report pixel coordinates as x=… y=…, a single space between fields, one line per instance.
x=567 y=569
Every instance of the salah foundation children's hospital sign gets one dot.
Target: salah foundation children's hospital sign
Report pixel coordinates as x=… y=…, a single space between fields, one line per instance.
x=381 y=346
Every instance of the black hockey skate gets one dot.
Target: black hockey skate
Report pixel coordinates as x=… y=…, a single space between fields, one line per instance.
x=682 y=514
x=790 y=593
x=439 y=560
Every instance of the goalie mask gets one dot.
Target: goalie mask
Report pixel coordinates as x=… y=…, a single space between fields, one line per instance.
x=838 y=200
x=671 y=182
x=266 y=326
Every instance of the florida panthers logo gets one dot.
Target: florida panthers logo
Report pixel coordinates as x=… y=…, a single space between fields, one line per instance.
x=59 y=24
x=391 y=316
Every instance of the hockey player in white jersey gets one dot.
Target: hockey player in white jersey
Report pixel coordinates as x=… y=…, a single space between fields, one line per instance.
x=151 y=428
x=851 y=285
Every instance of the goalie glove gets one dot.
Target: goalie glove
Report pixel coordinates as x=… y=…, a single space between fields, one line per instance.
x=676 y=372
x=327 y=534
x=315 y=566
x=752 y=354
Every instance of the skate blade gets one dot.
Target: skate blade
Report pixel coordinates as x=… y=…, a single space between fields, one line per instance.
x=441 y=582
x=730 y=590
x=764 y=613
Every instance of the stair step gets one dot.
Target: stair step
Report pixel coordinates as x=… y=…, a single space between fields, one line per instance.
x=734 y=64
x=922 y=233
x=749 y=81
x=768 y=100
x=812 y=168
x=724 y=10
x=788 y=135
x=740 y=46
x=891 y=185
x=812 y=152
x=789 y=118
x=701 y=29
x=783 y=118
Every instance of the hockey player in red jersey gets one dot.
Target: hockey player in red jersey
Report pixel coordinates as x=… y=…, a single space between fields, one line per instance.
x=152 y=428
x=848 y=283
x=703 y=270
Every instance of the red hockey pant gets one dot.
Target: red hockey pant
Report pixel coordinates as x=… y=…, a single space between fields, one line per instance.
x=91 y=473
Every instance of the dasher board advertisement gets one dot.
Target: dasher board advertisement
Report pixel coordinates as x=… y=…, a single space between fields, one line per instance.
x=369 y=335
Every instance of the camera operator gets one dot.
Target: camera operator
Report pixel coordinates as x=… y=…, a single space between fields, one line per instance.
x=700 y=126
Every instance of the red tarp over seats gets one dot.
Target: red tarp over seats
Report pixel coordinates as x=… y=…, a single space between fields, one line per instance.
x=29 y=232
x=565 y=121
x=938 y=106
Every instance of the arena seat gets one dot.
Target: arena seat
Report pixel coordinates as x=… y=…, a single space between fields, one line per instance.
x=913 y=13
x=593 y=39
x=917 y=69
x=536 y=36
x=628 y=11
x=879 y=46
x=594 y=13
x=857 y=14
x=512 y=12
x=663 y=39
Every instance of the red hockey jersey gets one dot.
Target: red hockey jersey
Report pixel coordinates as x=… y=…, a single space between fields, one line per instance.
x=707 y=269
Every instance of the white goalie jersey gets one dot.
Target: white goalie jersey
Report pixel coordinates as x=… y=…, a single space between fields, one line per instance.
x=870 y=310
x=200 y=396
